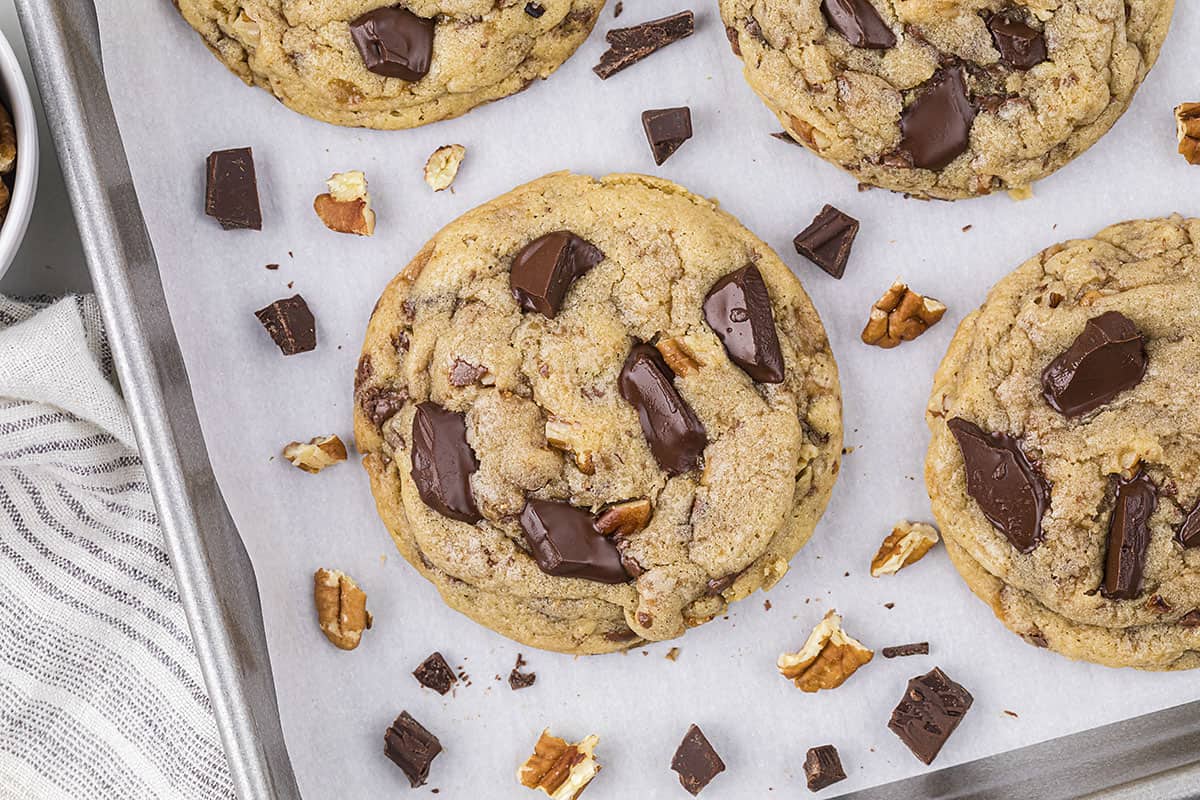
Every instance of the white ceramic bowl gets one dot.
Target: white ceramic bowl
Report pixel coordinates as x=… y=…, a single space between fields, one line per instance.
x=15 y=92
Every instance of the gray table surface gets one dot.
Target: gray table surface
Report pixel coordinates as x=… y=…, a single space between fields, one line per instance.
x=50 y=261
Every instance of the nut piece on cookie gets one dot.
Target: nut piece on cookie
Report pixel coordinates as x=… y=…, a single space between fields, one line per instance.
x=346 y=207
x=341 y=608
x=900 y=316
x=679 y=357
x=906 y=544
x=560 y=770
x=624 y=519
x=316 y=454
x=565 y=436
x=441 y=168
x=8 y=143
x=1187 y=123
x=827 y=659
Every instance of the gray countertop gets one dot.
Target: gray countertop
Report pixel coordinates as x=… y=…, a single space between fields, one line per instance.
x=50 y=261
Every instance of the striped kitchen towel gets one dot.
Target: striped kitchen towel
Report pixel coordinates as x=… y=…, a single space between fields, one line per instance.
x=101 y=696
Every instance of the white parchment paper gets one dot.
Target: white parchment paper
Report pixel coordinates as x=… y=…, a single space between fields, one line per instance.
x=176 y=103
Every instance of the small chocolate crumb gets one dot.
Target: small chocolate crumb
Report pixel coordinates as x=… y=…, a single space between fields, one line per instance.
x=901 y=650
x=272 y=266
x=889 y=606
x=673 y=654
x=784 y=136
x=967 y=228
x=434 y=673
x=1011 y=713
x=766 y=605
x=518 y=679
x=535 y=10
x=617 y=9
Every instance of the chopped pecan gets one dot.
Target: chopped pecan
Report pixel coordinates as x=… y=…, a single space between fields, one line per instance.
x=560 y=770
x=900 y=316
x=906 y=544
x=316 y=454
x=827 y=659
x=442 y=166
x=679 y=356
x=624 y=519
x=1187 y=123
x=565 y=436
x=346 y=207
x=341 y=608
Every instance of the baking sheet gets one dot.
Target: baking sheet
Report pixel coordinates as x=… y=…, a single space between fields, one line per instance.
x=175 y=104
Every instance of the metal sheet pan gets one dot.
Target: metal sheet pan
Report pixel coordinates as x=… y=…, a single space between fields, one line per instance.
x=1154 y=756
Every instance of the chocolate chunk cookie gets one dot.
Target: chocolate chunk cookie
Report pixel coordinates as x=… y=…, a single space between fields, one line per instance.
x=596 y=411
x=947 y=99
x=1064 y=467
x=369 y=64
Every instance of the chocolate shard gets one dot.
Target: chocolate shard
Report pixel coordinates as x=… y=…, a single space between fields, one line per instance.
x=930 y=711
x=291 y=325
x=1020 y=46
x=696 y=761
x=1103 y=361
x=627 y=46
x=738 y=309
x=936 y=128
x=827 y=241
x=566 y=543
x=666 y=129
x=394 y=42
x=902 y=650
x=859 y=22
x=1188 y=534
x=674 y=432
x=1129 y=537
x=1010 y=491
x=411 y=748
x=231 y=189
x=434 y=673
x=535 y=10
x=545 y=268
x=823 y=767
x=443 y=462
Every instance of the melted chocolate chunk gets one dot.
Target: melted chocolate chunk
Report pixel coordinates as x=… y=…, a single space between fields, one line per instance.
x=231 y=189
x=936 y=128
x=674 y=432
x=434 y=673
x=827 y=241
x=627 y=46
x=1020 y=46
x=1188 y=534
x=443 y=462
x=823 y=767
x=545 y=268
x=566 y=543
x=1103 y=361
x=411 y=748
x=738 y=309
x=696 y=761
x=1129 y=537
x=291 y=325
x=394 y=42
x=666 y=129
x=859 y=22
x=1010 y=491
x=930 y=711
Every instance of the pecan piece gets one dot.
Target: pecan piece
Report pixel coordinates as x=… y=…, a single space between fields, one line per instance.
x=346 y=207
x=624 y=519
x=560 y=770
x=442 y=166
x=906 y=544
x=316 y=454
x=827 y=659
x=900 y=316
x=1187 y=124
x=341 y=608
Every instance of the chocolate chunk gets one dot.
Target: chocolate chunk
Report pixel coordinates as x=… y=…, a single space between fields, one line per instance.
x=565 y=542
x=901 y=650
x=1103 y=361
x=717 y=585
x=535 y=10
x=434 y=673
x=666 y=129
x=443 y=462
x=380 y=404
x=411 y=748
x=231 y=189
x=394 y=42
x=859 y=22
x=520 y=680
x=627 y=46
x=1010 y=491
x=1020 y=46
x=936 y=128
x=546 y=267
x=291 y=325
x=930 y=711
x=823 y=767
x=696 y=761
x=738 y=309
x=1188 y=534
x=674 y=432
x=1129 y=537
x=827 y=241
x=1191 y=619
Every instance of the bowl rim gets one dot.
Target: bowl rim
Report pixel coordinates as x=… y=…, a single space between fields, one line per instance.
x=14 y=84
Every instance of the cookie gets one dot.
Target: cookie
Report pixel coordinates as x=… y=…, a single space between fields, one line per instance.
x=596 y=411
x=1065 y=454
x=947 y=99
x=365 y=63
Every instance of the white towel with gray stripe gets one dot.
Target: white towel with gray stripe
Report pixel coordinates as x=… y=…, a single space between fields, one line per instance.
x=101 y=696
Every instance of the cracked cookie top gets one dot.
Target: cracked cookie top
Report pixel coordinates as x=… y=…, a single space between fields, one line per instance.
x=1065 y=458
x=376 y=64
x=947 y=98
x=594 y=411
